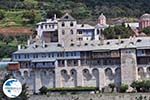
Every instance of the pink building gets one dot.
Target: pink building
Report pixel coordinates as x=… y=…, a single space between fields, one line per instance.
x=102 y=19
x=144 y=21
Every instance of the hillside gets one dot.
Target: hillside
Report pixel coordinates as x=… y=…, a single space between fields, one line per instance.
x=28 y=12
x=18 y=17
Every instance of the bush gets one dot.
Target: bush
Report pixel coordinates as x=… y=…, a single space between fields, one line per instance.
x=146 y=30
x=123 y=88
x=43 y=90
x=28 y=17
x=112 y=86
x=141 y=86
x=73 y=89
x=24 y=94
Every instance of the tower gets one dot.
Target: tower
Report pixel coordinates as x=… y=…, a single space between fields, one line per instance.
x=144 y=21
x=67 y=29
x=102 y=19
x=128 y=65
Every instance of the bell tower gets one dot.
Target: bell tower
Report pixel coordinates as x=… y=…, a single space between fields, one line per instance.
x=102 y=19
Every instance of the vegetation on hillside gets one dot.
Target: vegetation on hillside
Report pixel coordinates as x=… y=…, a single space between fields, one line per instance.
x=26 y=12
x=116 y=31
x=146 y=31
x=8 y=44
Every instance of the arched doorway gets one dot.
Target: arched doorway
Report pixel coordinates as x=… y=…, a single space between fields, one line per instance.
x=141 y=73
x=109 y=76
x=73 y=74
x=117 y=77
x=43 y=75
x=65 y=78
x=95 y=73
x=51 y=79
x=148 y=72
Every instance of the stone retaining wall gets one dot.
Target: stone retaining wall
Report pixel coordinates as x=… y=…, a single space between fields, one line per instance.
x=126 y=96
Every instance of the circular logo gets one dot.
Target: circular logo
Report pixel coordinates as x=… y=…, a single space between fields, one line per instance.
x=12 y=88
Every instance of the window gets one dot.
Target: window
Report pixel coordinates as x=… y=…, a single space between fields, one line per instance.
x=63 y=32
x=71 y=31
x=53 y=26
x=71 y=53
x=37 y=26
x=122 y=41
x=49 y=55
x=71 y=24
x=19 y=56
x=63 y=24
x=45 y=26
x=80 y=32
x=139 y=40
x=108 y=43
x=67 y=54
x=66 y=17
x=52 y=54
x=80 y=39
x=97 y=31
x=41 y=26
x=86 y=44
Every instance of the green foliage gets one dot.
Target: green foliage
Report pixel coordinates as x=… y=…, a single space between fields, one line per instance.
x=146 y=31
x=141 y=86
x=112 y=86
x=8 y=44
x=116 y=31
x=7 y=50
x=28 y=17
x=37 y=10
x=123 y=88
x=43 y=90
x=50 y=13
x=24 y=94
x=2 y=14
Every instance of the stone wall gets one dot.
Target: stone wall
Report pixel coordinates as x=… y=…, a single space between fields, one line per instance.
x=109 y=96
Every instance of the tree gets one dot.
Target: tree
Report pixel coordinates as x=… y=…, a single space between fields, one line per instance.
x=141 y=86
x=146 y=31
x=2 y=14
x=116 y=31
x=43 y=90
x=28 y=17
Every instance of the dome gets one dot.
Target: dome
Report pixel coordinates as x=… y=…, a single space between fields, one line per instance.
x=102 y=16
x=145 y=17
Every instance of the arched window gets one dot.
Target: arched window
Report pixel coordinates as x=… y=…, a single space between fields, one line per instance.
x=63 y=24
x=63 y=32
x=97 y=31
x=71 y=24
x=71 y=31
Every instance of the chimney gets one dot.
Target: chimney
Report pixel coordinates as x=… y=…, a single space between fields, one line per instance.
x=28 y=42
x=119 y=39
x=55 y=17
x=19 y=47
x=43 y=44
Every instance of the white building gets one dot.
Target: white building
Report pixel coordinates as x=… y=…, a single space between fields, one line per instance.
x=73 y=55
